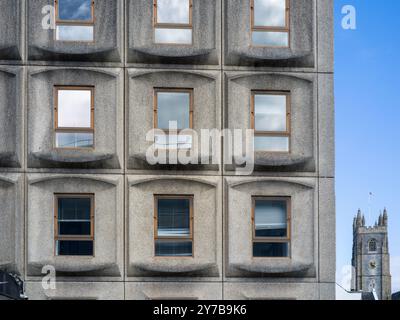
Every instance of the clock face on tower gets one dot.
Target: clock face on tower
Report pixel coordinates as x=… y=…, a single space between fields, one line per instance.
x=372 y=264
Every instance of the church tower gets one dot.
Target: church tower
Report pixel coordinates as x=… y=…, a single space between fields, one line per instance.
x=371 y=260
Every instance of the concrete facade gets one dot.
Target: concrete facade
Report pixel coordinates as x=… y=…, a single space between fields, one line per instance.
x=124 y=66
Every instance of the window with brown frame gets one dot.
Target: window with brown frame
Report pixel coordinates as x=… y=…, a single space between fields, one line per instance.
x=74 y=20
x=173 y=22
x=270 y=25
x=173 y=225
x=271 y=218
x=173 y=113
x=74 y=224
x=74 y=117
x=271 y=121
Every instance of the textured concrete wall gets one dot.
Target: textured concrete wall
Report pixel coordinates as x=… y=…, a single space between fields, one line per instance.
x=11 y=223
x=11 y=117
x=124 y=66
x=11 y=32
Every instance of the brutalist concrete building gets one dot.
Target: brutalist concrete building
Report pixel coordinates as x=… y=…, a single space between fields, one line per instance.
x=83 y=82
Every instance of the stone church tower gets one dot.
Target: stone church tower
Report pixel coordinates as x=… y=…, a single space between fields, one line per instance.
x=371 y=260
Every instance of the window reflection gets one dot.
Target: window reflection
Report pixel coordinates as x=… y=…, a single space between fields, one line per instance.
x=173 y=11
x=74 y=118
x=173 y=22
x=75 y=10
x=75 y=20
x=74 y=33
x=271 y=121
x=270 y=13
x=74 y=225
x=176 y=36
x=174 y=219
x=270 y=23
x=271 y=227
x=270 y=39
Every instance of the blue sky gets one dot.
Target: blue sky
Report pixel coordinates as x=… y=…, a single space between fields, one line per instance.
x=367 y=92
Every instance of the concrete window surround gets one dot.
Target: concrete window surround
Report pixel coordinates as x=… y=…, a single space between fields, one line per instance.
x=206 y=33
x=108 y=35
x=303 y=117
x=108 y=125
x=238 y=43
x=124 y=65
x=108 y=229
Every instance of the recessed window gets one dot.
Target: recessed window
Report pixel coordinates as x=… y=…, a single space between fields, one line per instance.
x=74 y=117
x=173 y=22
x=74 y=20
x=173 y=107
x=270 y=23
x=270 y=120
x=74 y=225
x=372 y=247
x=271 y=227
x=174 y=226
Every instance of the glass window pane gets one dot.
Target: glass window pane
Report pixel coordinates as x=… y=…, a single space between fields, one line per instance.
x=270 y=218
x=173 y=36
x=173 y=106
x=75 y=10
x=74 y=228
x=74 y=33
x=173 y=11
x=270 y=39
x=74 y=140
x=173 y=217
x=74 y=108
x=173 y=142
x=175 y=249
x=74 y=248
x=74 y=208
x=271 y=144
x=270 y=112
x=270 y=250
x=270 y=13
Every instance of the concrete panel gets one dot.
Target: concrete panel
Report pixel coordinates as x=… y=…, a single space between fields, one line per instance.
x=108 y=35
x=326 y=125
x=303 y=260
x=12 y=17
x=206 y=111
x=303 y=96
x=327 y=225
x=238 y=49
x=173 y=291
x=207 y=226
x=271 y=291
x=76 y=291
x=108 y=243
x=205 y=49
x=11 y=117
x=108 y=118
x=11 y=223
x=325 y=25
